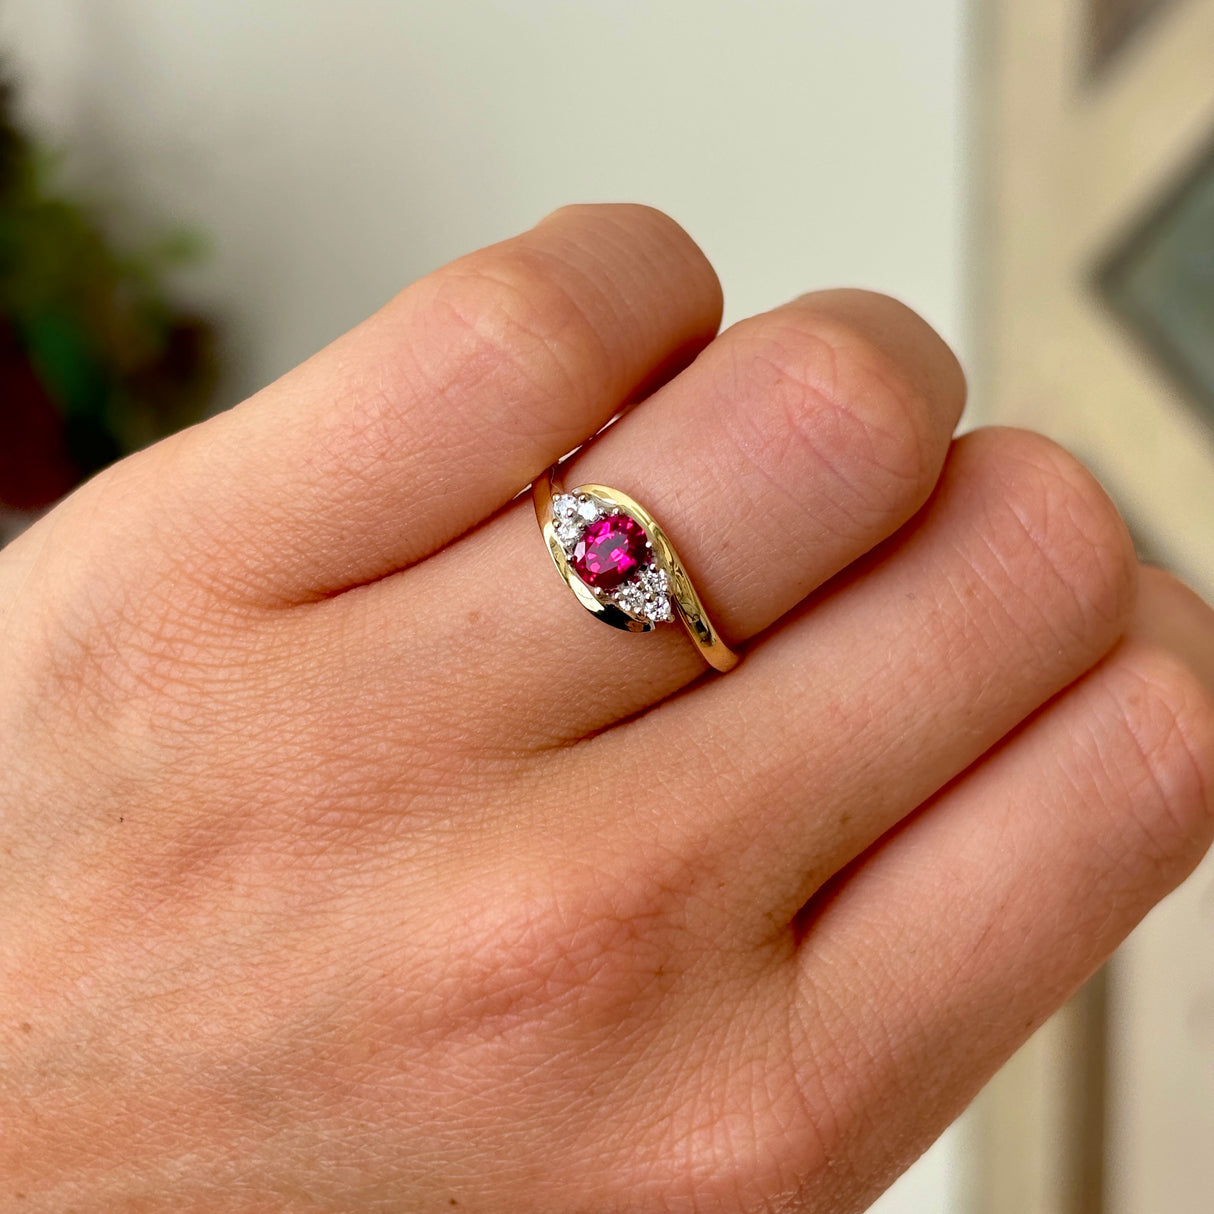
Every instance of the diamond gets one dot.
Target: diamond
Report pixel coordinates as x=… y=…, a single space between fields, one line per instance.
x=630 y=598
x=656 y=610
x=653 y=580
x=659 y=611
x=655 y=586
x=646 y=595
x=565 y=520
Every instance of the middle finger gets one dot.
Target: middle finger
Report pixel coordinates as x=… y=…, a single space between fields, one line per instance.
x=1014 y=581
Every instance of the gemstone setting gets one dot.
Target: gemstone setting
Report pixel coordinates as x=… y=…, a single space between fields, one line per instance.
x=612 y=556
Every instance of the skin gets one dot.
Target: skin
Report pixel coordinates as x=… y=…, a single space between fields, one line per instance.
x=350 y=865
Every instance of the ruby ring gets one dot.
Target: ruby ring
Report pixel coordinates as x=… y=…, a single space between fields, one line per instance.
x=620 y=564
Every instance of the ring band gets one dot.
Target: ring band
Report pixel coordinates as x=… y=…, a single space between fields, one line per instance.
x=620 y=564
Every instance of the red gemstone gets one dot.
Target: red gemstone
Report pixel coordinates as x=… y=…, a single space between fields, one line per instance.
x=610 y=552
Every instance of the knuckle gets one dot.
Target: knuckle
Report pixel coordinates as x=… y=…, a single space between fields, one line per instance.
x=516 y=321
x=1164 y=749
x=1054 y=534
x=643 y=236
x=630 y=218
x=823 y=393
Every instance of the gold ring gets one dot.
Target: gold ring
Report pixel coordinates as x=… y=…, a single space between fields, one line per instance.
x=621 y=565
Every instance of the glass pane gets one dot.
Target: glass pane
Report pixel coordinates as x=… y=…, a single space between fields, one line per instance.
x=1162 y=284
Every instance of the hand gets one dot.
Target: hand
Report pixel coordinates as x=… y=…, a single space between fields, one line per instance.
x=350 y=866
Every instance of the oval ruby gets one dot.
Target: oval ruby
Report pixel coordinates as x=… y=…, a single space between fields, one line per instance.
x=610 y=552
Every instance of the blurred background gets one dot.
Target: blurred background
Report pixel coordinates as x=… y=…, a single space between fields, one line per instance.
x=196 y=194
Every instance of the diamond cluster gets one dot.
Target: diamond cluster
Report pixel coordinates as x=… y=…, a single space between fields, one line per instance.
x=611 y=554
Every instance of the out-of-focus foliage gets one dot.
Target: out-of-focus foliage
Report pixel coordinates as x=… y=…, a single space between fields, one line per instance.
x=95 y=360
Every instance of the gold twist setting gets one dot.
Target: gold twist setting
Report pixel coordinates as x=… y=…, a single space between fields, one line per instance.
x=621 y=566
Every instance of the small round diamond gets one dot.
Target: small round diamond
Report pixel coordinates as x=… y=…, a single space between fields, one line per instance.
x=658 y=610
x=655 y=586
x=631 y=598
x=564 y=506
x=566 y=521
x=646 y=595
x=610 y=551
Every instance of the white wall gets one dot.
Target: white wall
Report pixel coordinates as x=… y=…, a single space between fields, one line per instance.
x=336 y=150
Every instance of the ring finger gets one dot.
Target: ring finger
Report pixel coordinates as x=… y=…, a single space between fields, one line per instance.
x=796 y=442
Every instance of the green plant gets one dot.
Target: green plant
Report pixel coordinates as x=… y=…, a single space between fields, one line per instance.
x=95 y=359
